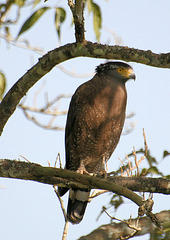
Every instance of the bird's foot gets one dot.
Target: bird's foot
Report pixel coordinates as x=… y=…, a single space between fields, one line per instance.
x=82 y=171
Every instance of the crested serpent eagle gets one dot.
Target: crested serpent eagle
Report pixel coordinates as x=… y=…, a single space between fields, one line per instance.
x=94 y=124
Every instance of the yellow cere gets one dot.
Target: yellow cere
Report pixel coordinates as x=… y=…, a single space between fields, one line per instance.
x=124 y=71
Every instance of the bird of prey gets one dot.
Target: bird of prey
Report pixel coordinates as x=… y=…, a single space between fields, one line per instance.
x=94 y=124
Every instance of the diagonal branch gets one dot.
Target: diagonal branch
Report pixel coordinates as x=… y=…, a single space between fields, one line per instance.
x=121 y=230
x=69 y=51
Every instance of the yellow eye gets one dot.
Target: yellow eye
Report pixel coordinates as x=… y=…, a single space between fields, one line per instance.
x=120 y=70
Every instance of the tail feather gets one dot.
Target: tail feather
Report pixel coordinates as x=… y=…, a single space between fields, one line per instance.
x=78 y=199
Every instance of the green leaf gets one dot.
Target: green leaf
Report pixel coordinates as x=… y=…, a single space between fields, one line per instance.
x=2 y=85
x=116 y=201
x=32 y=20
x=165 y=154
x=89 y=5
x=154 y=170
x=144 y=172
x=150 y=159
x=60 y=15
x=20 y=3
x=97 y=18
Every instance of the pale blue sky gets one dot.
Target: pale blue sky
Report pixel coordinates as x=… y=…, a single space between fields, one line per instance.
x=31 y=210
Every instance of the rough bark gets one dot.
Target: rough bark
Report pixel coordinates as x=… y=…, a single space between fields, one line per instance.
x=66 y=178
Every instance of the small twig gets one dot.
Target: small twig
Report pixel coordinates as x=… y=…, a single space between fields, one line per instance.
x=25 y=158
x=117 y=39
x=121 y=170
x=130 y=115
x=106 y=164
x=42 y=111
x=129 y=164
x=24 y=44
x=131 y=235
x=21 y=43
x=45 y=110
x=129 y=224
x=51 y=121
x=55 y=100
x=61 y=203
x=58 y=158
x=145 y=142
x=59 y=198
x=39 y=124
x=65 y=231
x=133 y=168
x=124 y=221
x=136 y=162
x=123 y=174
x=36 y=94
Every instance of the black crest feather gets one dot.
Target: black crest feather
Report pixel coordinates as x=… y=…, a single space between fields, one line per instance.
x=110 y=65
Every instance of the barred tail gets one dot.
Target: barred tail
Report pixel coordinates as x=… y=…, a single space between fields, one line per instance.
x=78 y=199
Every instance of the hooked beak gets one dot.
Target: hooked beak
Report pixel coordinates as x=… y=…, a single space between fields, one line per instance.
x=132 y=76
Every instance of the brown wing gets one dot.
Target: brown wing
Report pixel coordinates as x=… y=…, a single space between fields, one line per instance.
x=94 y=123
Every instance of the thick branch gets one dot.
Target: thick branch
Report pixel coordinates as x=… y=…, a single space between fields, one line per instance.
x=66 y=178
x=143 y=184
x=69 y=51
x=117 y=230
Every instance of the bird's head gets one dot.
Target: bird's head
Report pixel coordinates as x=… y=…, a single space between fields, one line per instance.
x=118 y=70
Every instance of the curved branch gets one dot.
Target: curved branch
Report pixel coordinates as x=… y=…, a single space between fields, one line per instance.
x=69 y=51
x=122 y=231
x=66 y=178
x=20 y=88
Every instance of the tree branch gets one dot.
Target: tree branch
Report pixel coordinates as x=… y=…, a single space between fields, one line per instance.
x=79 y=20
x=121 y=230
x=66 y=178
x=78 y=15
x=69 y=51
